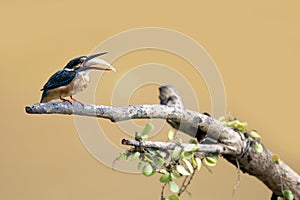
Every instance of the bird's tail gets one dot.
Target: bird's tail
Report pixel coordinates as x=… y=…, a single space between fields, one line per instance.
x=45 y=93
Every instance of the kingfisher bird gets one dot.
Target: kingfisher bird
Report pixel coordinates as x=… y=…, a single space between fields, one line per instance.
x=73 y=78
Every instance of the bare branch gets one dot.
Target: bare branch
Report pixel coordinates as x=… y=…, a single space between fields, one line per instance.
x=208 y=148
x=187 y=121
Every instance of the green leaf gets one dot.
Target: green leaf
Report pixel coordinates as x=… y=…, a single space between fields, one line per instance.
x=255 y=135
x=176 y=153
x=193 y=141
x=159 y=162
x=173 y=187
x=222 y=119
x=242 y=126
x=276 y=158
x=173 y=197
x=164 y=171
x=171 y=135
x=135 y=156
x=258 y=147
x=182 y=170
x=189 y=165
x=148 y=170
x=187 y=155
x=175 y=175
x=152 y=150
x=165 y=178
x=191 y=147
x=224 y=122
x=162 y=154
x=199 y=163
x=193 y=162
x=288 y=194
x=144 y=137
x=148 y=128
x=211 y=160
x=279 y=198
x=232 y=123
x=123 y=156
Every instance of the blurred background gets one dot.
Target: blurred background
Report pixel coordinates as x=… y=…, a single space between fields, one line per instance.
x=255 y=46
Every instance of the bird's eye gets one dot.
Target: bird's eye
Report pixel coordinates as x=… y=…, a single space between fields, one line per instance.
x=82 y=59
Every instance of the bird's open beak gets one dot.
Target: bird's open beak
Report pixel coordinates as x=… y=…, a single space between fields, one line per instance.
x=91 y=62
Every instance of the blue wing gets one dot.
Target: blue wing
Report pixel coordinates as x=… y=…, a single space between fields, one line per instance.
x=60 y=78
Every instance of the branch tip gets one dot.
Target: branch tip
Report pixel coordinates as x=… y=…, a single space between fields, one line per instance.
x=28 y=109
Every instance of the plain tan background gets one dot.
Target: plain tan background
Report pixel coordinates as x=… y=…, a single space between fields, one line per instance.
x=255 y=45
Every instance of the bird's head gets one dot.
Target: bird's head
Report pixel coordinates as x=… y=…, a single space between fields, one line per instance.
x=89 y=62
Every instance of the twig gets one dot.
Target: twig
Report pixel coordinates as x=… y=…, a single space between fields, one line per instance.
x=208 y=169
x=181 y=190
x=238 y=182
x=162 y=196
x=212 y=148
x=185 y=185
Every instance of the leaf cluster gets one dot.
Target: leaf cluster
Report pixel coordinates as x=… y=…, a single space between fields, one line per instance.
x=172 y=165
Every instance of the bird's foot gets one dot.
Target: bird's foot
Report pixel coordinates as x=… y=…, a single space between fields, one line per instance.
x=75 y=100
x=63 y=99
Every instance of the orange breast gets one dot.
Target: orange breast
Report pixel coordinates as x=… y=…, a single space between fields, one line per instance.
x=78 y=84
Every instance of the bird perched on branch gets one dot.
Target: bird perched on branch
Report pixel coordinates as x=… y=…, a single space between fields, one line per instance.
x=73 y=78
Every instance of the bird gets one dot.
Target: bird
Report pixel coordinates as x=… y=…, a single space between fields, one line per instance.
x=73 y=78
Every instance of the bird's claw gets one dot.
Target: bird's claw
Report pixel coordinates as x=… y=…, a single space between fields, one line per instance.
x=64 y=100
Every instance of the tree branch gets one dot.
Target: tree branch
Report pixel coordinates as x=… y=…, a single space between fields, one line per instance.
x=237 y=145
x=212 y=148
x=187 y=121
